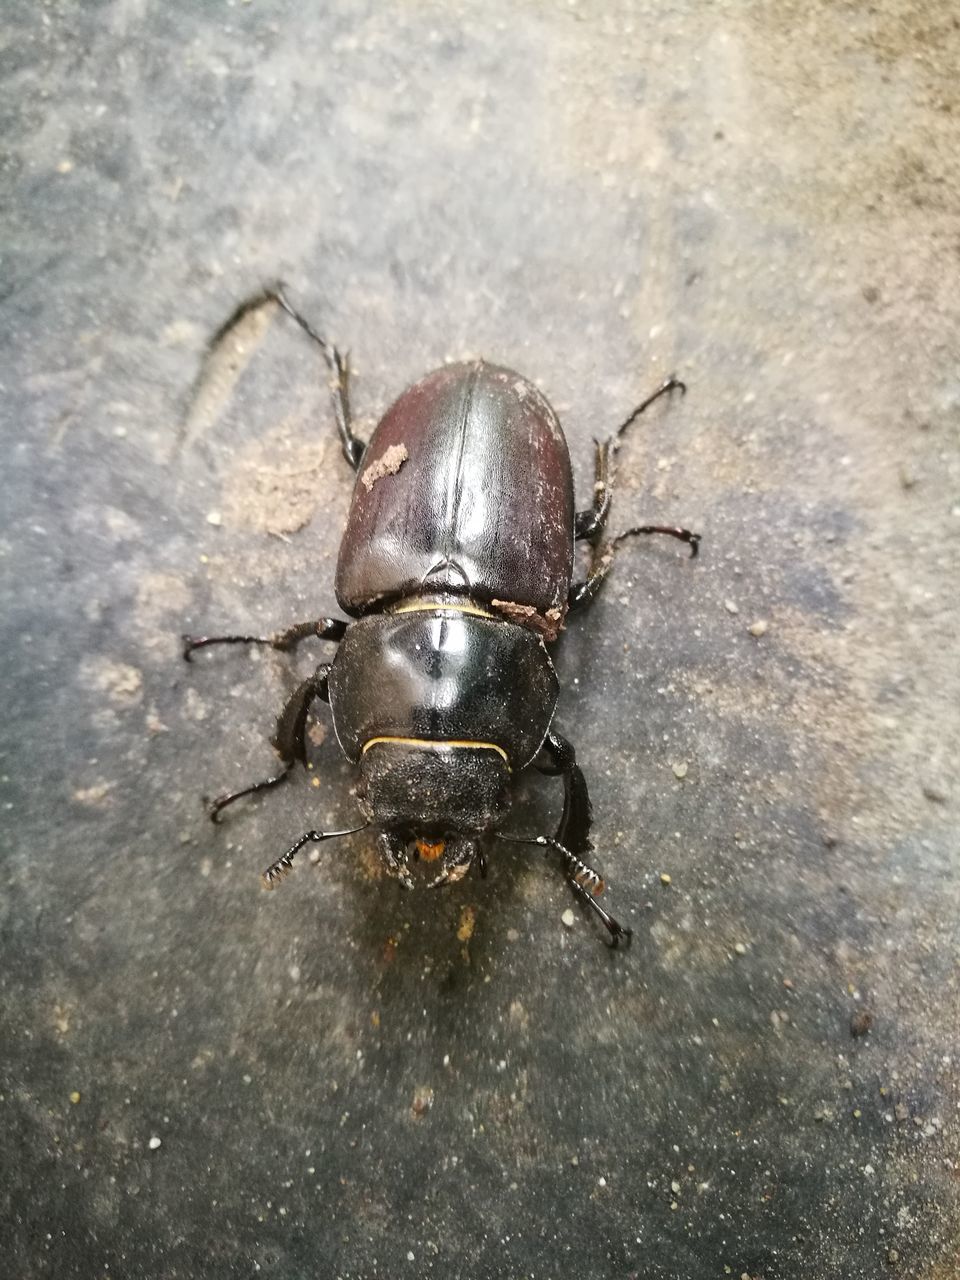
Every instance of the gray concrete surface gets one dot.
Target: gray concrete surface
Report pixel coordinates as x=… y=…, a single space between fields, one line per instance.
x=202 y=1080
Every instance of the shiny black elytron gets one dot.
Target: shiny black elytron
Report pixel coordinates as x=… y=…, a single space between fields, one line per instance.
x=456 y=568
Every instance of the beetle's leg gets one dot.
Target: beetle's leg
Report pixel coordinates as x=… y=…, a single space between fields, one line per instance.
x=582 y=593
x=589 y=524
x=321 y=628
x=277 y=870
x=339 y=366
x=666 y=386
x=289 y=739
x=573 y=831
x=393 y=851
x=586 y=883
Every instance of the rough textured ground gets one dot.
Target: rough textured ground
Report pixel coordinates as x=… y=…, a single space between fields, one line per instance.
x=200 y=1079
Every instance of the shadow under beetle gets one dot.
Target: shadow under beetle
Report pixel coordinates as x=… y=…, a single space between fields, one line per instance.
x=456 y=568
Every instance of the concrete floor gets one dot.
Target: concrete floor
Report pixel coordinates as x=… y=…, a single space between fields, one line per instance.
x=202 y=1080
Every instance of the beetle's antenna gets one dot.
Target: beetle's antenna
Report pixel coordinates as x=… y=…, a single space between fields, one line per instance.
x=586 y=883
x=277 y=870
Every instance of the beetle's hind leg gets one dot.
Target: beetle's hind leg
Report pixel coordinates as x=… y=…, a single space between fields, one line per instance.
x=339 y=366
x=589 y=524
x=289 y=739
x=285 y=641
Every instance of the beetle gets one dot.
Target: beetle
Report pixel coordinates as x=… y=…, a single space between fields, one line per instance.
x=456 y=570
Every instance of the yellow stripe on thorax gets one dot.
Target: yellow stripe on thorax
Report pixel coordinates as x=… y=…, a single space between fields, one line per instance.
x=438 y=744
x=436 y=606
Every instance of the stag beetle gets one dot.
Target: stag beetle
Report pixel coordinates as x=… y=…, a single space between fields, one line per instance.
x=456 y=569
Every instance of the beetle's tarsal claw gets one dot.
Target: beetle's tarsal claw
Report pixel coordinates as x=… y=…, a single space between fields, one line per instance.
x=620 y=935
x=213 y=808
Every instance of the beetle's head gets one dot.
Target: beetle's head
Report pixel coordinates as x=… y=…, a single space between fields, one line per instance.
x=437 y=798
x=433 y=789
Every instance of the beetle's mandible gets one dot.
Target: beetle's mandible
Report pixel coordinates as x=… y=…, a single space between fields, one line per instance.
x=456 y=570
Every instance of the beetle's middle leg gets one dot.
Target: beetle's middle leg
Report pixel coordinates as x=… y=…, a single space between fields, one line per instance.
x=321 y=628
x=582 y=593
x=289 y=739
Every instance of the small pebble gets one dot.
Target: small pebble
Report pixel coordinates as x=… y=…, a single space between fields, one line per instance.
x=422 y=1100
x=75 y=1097
x=861 y=1022
x=680 y=769
x=934 y=793
x=740 y=949
x=759 y=628
x=155 y=1142
x=214 y=518
x=568 y=918
x=666 y=877
x=731 y=606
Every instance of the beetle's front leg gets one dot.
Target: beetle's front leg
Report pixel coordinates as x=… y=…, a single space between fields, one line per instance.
x=573 y=831
x=320 y=628
x=289 y=739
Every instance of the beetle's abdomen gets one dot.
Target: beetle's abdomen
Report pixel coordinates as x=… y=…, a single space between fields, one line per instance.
x=465 y=486
x=441 y=675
